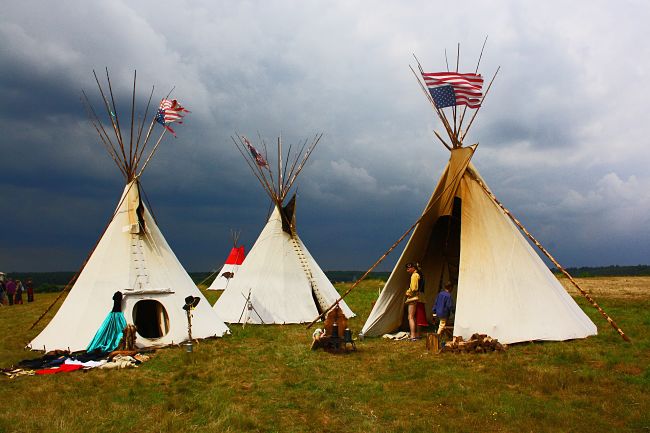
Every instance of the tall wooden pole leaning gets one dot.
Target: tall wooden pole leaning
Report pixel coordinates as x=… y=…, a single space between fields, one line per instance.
x=438 y=111
x=478 y=63
x=462 y=138
x=135 y=74
x=116 y=121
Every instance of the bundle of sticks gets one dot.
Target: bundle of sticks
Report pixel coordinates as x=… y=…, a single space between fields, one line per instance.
x=477 y=343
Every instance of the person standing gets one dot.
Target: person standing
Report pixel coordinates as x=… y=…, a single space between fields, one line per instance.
x=11 y=290
x=19 y=292
x=3 y=290
x=29 y=286
x=444 y=306
x=413 y=298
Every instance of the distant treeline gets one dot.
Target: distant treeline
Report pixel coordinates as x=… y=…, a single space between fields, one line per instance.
x=608 y=271
x=54 y=281
x=44 y=281
x=334 y=276
x=351 y=276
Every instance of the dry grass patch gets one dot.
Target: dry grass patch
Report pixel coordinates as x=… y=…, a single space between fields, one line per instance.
x=611 y=287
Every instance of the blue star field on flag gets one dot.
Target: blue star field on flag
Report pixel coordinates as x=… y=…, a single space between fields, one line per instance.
x=443 y=96
x=450 y=89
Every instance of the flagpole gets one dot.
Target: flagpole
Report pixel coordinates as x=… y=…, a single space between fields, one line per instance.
x=438 y=111
x=455 y=109
x=135 y=75
x=462 y=117
x=479 y=107
x=243 y=154
x=141 y=128
x=152 y=152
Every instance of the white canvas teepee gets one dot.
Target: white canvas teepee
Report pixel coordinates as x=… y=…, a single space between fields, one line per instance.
x=279 y=282
x=231 y=267
x=132 y=257
x=466 y=237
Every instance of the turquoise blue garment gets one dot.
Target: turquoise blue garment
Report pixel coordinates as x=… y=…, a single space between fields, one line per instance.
x=108 y=335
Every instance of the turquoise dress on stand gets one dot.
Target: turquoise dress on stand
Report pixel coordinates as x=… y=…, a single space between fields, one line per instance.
x=109 y=334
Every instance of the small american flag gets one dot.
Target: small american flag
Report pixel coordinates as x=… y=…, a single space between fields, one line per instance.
x=259 y=159
x=451 y=88
x=170 y=111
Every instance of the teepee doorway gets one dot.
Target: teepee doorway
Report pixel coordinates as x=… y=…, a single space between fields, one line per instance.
x=151 y=319
x=442 y=257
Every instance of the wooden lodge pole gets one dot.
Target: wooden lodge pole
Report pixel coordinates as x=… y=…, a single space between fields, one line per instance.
x=381 y=259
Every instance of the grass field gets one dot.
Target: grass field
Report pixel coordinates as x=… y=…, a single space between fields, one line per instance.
x=265 y=379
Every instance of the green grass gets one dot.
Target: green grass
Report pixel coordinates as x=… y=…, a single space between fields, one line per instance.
x=265 y=379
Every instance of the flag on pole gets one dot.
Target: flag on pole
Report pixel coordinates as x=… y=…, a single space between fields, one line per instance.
x=449 y=89
x=259 y=159
x=170 y=111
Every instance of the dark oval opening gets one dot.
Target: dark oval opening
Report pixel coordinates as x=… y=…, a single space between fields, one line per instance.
x=151 y=319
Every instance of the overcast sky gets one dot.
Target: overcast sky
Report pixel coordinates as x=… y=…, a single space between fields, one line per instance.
x=563 y=133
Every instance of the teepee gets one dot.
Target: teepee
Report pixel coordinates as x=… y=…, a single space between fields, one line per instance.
x=229 y=270
x=131 y=256
x=279 y=282
x=465 y=236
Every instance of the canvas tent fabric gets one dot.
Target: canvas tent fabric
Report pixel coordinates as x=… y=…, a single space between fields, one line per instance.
x=275 y=279
x=134 y=258
x=504 y=289
x=229 y=269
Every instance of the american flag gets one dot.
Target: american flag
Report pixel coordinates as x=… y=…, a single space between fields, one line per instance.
x=259 y=159
x=451 y=88
x=170 y=111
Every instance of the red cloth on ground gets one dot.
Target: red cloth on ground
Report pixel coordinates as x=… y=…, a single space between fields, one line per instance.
x=64 y=368
x=421 y=315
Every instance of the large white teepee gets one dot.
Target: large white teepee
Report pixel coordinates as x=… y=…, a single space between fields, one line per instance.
x=504 y=289
x=279 y=282
x=231 y=267
x=132 y=257
x=465 y=236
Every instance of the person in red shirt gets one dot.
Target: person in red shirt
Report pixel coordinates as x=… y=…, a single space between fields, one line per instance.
x=29 y=286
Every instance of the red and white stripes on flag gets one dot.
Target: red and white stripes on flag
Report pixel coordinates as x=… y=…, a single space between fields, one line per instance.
x=170 y=111
x=467 y=87
x=259 y=159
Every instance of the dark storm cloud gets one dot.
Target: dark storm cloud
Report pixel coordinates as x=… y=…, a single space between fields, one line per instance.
x=561 y=146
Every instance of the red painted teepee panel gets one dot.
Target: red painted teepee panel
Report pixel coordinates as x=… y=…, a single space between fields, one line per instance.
x=236 y=256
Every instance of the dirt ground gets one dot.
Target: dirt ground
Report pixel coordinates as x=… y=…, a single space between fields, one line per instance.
x=614 y=287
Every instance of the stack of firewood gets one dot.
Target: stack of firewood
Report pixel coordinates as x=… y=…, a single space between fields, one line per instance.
x=478 y=343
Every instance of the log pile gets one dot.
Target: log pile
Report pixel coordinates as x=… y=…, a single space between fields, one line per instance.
x=477 y=343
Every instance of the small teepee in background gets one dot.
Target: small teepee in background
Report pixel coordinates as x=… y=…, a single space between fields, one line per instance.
x=279 y=282
x=131 y=255
x=229 y=270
